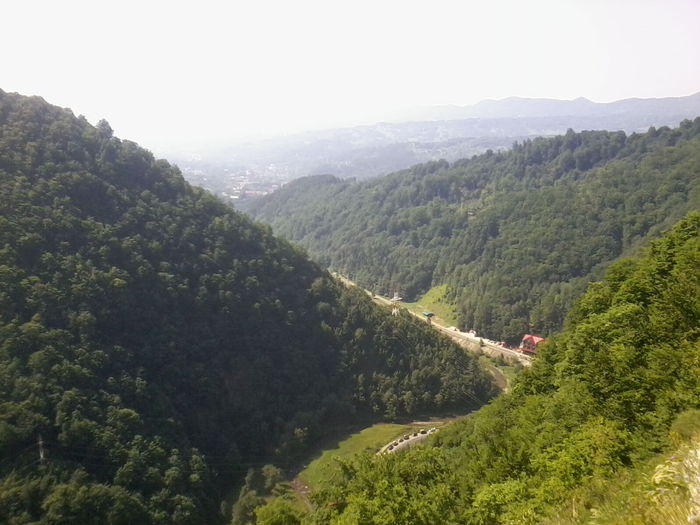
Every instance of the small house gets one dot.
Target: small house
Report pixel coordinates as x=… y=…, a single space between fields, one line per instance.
x=529 y=343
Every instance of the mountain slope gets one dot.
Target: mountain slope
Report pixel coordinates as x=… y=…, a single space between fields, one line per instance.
x=154 y=343
x=617 y=387
x=516 y=235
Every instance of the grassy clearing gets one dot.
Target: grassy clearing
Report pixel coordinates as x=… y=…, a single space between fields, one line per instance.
x=322 y=470
x=435 y=300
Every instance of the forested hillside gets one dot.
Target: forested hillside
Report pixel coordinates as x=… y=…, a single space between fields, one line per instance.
x=516 y=235
x=155 y=343
x=574 y=440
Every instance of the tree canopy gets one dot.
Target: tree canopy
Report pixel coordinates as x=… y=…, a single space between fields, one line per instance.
x=515 y=235
x=598 y=401
x=154 y=343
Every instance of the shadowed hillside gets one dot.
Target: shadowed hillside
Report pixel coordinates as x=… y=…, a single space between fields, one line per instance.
x=154 y=343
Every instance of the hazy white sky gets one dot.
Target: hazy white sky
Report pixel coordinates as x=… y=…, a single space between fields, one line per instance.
x=184 y=72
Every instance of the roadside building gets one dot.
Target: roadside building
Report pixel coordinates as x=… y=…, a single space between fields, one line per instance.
x=529 y=343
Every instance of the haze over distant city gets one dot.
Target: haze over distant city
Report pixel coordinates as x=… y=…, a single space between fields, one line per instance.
x=172 y=75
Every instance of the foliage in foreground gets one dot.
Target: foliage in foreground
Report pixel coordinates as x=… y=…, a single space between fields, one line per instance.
x=598 y=402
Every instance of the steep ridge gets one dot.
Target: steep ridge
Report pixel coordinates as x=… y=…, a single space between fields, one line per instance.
x=516 y=235
x=154 y=343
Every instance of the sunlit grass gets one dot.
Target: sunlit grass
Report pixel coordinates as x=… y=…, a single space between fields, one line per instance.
x=435 y=300
x=324 y=469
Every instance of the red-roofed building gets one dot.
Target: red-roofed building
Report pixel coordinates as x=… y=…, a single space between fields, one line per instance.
x=529 y=343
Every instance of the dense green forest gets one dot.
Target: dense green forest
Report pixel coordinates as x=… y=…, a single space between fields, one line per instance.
x=154 y=343
x=620 y=385
x=515 y=235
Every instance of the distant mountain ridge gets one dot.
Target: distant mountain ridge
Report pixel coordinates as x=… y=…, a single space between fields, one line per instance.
x=427 y=134
x=520 y=107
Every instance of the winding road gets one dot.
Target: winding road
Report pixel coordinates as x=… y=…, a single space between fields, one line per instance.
x=408 y=440
x=467 y=340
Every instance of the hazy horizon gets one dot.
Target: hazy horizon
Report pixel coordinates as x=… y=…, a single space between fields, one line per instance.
x=169 y=76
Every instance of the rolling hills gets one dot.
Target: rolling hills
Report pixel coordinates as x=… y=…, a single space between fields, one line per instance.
x=515 y=235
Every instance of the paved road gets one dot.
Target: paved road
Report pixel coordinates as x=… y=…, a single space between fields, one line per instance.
x=406 y=443
x=488 y=346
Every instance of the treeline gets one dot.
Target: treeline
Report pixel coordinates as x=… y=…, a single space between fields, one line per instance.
x=516 y=235
x=617 y=386
x=154 y=343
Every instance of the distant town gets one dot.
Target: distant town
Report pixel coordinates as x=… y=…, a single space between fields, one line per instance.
x=236 y=184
